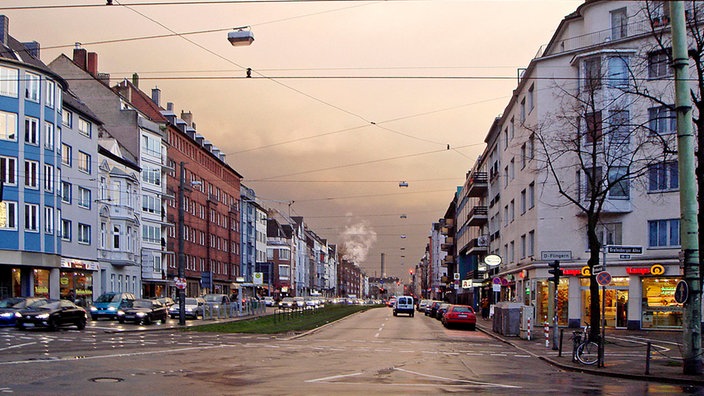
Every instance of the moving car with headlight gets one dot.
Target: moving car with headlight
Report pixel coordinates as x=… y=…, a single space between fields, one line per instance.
x=460 y=315
x=107 y=305
x=143 y=312
x=9 y=306
x=51 y=314
x=404 y=305
x=194 y=308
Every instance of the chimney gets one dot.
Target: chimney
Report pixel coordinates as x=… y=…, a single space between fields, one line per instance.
x=104 y=78
x=156 y=96
x=170 y=106
x=79 y=56
x=187 y=117
x=32 y=48
x=4 y=30
x=135 y=80
x=92 y=64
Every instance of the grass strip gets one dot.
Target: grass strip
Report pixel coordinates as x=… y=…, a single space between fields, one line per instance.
x=286 y=322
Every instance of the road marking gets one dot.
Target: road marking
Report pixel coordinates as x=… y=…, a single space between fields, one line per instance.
x=456 y=380
x=333 y=377
x=17 y=346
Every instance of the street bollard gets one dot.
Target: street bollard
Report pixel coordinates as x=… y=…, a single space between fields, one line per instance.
x=547 y=333
x=528 y=329
x=562 y=334
x=648 y=349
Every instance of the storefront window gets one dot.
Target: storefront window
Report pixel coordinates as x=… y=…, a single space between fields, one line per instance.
x=77 y=286
x=615 y=302
x=41 y=283
x=659 y=306
x=562 y=301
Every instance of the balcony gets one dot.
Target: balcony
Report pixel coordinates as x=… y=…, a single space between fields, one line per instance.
x=477 y=185
x=449 y=259
x=478 y=245
x=447 y=247
x=118 y=258
x=478 y=216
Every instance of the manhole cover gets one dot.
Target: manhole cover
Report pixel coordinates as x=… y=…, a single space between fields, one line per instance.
x=106 y=379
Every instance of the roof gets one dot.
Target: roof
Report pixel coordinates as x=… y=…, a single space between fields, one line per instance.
x=16 y=52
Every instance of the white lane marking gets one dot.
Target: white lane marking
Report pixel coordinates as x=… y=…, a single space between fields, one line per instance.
x=333 y=377
x=115 y=355
x=455 y=380
x=17 y=346
x=376 y=335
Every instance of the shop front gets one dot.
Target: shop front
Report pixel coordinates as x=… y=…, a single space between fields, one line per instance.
x=76 y=281
x=543 y=301
x=659 y=308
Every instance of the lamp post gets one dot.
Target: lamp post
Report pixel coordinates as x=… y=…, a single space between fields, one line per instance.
x=181 y=254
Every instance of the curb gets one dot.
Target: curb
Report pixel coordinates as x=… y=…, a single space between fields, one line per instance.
x=587 y=370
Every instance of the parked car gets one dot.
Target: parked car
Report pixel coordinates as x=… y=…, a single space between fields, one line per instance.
x=460 y=315
x=215 y=300
x=269 y=301
x=432 y=308
x=168 y=301
x=9 y=306
x=107 y=305
x=144 y=312
x=300 y=302
x=391 y=302
x=442 y=308
x=287 y=303
x=194 y=308
x=51 y=314
x=423 y=304
x=404 y=305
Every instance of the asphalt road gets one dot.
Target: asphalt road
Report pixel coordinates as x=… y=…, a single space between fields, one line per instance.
x=368 y=353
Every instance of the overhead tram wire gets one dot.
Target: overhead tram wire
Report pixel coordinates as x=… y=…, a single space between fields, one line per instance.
x=102 y=4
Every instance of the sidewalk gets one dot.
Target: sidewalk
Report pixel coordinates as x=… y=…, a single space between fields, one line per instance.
x=624 y=353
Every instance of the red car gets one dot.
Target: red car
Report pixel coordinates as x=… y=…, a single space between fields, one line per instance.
x=460 y=315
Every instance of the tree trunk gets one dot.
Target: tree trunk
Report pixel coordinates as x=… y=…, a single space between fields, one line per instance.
x=594 y=304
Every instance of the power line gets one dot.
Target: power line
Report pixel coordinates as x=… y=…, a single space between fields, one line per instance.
x=189 y=2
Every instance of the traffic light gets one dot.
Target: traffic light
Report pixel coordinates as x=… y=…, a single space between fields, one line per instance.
x=555 y=271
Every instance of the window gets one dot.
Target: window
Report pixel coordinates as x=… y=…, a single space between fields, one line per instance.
x=523 y=110
x=505 y=138
x=512 y=168
x=620 y=121
x=84 y=162
x=505 y=215
x=662 y=120
x=151 y=175
x=592 y=73
x=523 y=246
x=663 y=177
x=284 y=271
x=31 y=91
x=9 y=81
x=66 y=154
x=609 y=233
x=83 y=233
x=594 y=127
x=151 y=204
x=31 y=217
x=66 y=229
x=48 y=177
x=103 y=235
x=284 y=254
x=531 y=195
x=531 y=98
x=512 y=210
x=531 y=146
x=593 y=181
x=116 y=237
x=8 y=125
x=523 y=156
x=506 y=177
x=618 y=182
x=84 y=199
x=658 y=65
x=157 y=263
x=31 y=130
x=8 y=215
x=151 y=146
x=664 y=233
x=31 y=174
x=523 y=202
x=48 y=135
x=50 y=93
x=67 y=118
x=151 y=233
x=66 y=192
x=619 y=24
x=48 y=220
x=618 y=72
x=84 y=127
x=9 y=170
x=531 y=243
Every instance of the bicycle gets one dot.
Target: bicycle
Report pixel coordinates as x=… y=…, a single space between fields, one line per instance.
x=585 y=350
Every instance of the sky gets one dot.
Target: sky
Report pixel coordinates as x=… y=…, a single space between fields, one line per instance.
x=346 y=100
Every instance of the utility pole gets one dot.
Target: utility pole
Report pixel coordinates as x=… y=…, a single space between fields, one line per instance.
x=181 y=254
x=692 y=319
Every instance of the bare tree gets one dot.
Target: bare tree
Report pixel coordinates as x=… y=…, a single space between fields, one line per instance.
x=596 y=149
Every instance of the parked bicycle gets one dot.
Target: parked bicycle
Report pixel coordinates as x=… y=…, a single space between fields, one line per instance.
x=586 y=351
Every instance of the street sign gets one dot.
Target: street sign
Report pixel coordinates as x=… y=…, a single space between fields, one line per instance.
x=492 y=260
x=682 y=292
x=206 y=280
x=552 y=255
x=457 y=276
x=496 y=280
x=598 y=268
x=624 y=256
x=467 y=283
x=624 y=249
x=180 y=283
x=258 y=278
x=603 y=278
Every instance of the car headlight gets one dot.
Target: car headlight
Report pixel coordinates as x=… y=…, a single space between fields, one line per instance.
x=43 y=316
x=7 y=314
x=92 y=308
x=112 y=309
x=120 y=313
x=18 y=315
x=140 y=314
x=189 y=309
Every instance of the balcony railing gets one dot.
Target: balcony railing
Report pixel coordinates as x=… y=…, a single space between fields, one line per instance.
x=478 y=216
x=477 y=184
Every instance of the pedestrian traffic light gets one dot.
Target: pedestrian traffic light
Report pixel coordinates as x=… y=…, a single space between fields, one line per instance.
x=555 y=271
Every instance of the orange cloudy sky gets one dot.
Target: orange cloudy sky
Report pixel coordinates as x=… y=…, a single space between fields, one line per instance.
x=347 y=97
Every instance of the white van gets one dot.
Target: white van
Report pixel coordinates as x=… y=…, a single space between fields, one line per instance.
x=404 y=304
